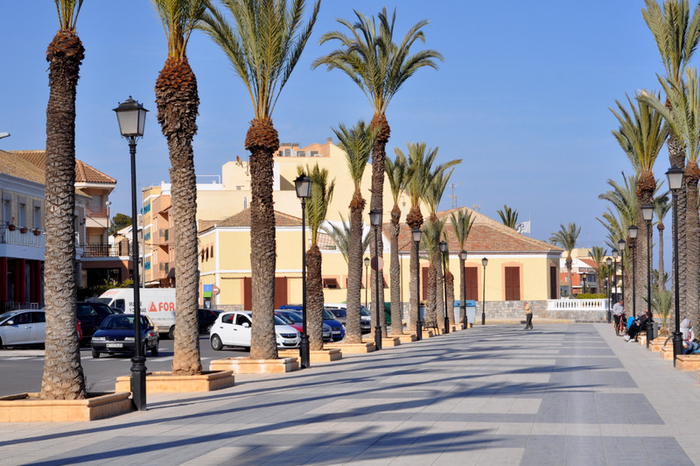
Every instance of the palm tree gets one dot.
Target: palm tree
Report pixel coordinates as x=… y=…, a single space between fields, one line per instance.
x=509 y=217
x=379 y=66
x=431 y=238
x=357 y=142
x=178 y=100
x=397 y=174
x=566 y=238
x=449 y=282
x=316 y=209
x=341 y=236
x=598 y=255
x=63 y=375
x=641 y=136
x=462 y=226
x=263 y=47
x=661 y=208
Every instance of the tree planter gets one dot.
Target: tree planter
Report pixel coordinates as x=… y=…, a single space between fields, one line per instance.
x=27 y=407
x=167 y=382
x=324 y=355
x=255 y=366
x=353 y=348
x=405 y=338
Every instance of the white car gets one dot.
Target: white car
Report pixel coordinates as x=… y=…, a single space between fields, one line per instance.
x=22 y=327
x=234 y=329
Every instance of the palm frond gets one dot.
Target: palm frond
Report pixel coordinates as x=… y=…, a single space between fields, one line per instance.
x=462 y=226
x=357 y=143
x=509 y=217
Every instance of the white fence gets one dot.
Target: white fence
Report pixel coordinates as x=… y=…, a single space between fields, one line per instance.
x=577 y=304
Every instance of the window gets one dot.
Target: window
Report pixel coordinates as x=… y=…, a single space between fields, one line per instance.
x=512 y=283
x=331 y=283
x=22 y=213
x=471 y=278
x=242 y=320
x=36 y=220
x=7 y=210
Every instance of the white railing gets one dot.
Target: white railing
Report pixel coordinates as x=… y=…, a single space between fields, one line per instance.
x=27 y=238
x=577 y=304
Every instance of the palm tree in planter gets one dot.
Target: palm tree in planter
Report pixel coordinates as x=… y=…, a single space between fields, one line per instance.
x=264 y=46
x=461 y=226
x=566 y=238
x=63 y=377
x=397 y=174
x=178 y=102
x=430 y=241
x=661 y=208
x=449 y=282
x=379 y=66
x=316 y=209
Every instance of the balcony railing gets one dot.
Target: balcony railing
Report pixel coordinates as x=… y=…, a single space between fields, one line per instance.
x=22 y=236
x=107 y=250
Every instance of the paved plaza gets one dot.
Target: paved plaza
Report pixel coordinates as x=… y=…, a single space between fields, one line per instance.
x=564 y=394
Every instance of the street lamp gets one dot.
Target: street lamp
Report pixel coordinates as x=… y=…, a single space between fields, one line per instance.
x=615 y=255
x=375 y=219
x=462 y=301
x=621 y=244
x=648 y=214
x=608 y=261
x=443 y=251
x=417 y=234
x=132 y=120
x=303 y=187
x=583 y=282
x=633 y=231
x=366 y=280
x=484 y=263
x=675 y=182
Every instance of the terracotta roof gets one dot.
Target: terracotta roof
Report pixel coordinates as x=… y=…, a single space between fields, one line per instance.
x=486 y=235
x=18 y=167
x=84 y=173
x=242 y=219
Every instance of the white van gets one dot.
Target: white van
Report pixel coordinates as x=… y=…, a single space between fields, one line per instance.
x=158 y=304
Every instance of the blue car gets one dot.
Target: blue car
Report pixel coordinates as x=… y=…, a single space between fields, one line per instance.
x=337 y=329
x=116 y=335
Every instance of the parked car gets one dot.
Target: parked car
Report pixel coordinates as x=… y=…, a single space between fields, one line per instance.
x=297 y=321
x=116 y=335
x=207 y=317
x=234 y=329
x=340 y=313
x=91 y=315
x=22 y=327
x=337 y=328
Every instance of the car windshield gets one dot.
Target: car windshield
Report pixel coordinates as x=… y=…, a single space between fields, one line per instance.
x=279 y=320
x=365 y=312
x=327 y=315
x=292 y=316
x=284 y=318
x=7 y=315
x=118 y=322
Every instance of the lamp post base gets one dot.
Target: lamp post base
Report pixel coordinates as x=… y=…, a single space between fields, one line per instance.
x=483 y=318
x=138 y=382
x=378 y=337
x=419 y=330
x=650 y=331
x=447 y=325
x=304 y=352
x=677 y=346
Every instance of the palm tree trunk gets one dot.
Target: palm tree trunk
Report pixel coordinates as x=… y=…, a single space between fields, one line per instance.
x=262 y=141
x=395 y=274
x=439 y=289
x=692 y=227
x=569 y=261
x=450 y=283
x=661 y=283
x=177 y=114
x=462 y=290
x=430 y=304
x=414 y=219
x=314 y=298
x=377 y=203
x=353 y=333
x=63 y=377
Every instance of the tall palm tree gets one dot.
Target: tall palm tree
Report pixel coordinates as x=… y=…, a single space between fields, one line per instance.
x=685 y=125
x=177 y=100
x=430 y=241
x=379 y=66
x=63 y=375
x=263 y=46
x=566 y=238
x=316 y=209
x=509 y=217
x=598 y=255
x=661 y=208
x=449 y=284
x=641 y=135
x=462 y=226
x=357 y=142
x=397 y=174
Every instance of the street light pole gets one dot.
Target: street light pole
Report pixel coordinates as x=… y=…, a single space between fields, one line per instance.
x=675 y=182
x=417 y=234
x=366 y=281
x=621 y=244
x=484 y=263
x=375 y=218
x=463 y=278
x=303 y=188
x=633 y=231
x=132 y=121
x=608 y=261
x=648 y=214
x=615 y=255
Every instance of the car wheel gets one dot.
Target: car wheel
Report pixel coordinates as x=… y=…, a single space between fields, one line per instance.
x=95 y=354
x=171 y=333
x=216 y=343
x=154 y=351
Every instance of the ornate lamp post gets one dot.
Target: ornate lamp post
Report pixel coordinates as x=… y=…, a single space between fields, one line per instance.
x=615 y=255
x=675 y=182
x=132 y=122
x=484 y=263
x=443 y=251
x=608 y=261
x=366 y=281
x=303 y=187
x=463 y=278
x=375 y=219
x=648 y=214
x=583 y=282
x=417 y=234
x=621 y=244
x=633 y=232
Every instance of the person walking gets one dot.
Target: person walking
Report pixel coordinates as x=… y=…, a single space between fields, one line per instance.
x=528 y=315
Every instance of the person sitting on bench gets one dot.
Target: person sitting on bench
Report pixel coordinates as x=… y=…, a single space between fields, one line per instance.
x=689 y=345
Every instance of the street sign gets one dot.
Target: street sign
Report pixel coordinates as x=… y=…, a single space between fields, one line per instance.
x=374 y=263
x=215 y=290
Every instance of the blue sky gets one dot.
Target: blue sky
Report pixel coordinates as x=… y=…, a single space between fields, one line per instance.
x=522 y=97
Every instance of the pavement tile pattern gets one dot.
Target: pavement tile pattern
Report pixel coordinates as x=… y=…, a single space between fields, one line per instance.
x=564 y=394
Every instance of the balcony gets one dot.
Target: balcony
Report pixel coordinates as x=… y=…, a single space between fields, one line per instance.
x=107 y=250
x=32 y=238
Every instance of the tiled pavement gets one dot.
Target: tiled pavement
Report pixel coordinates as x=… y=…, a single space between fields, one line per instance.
x=566 y=394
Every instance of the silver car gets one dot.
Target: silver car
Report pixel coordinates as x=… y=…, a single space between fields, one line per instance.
x=23 y=327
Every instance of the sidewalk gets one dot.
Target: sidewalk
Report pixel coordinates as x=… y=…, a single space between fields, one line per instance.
x=567 y=394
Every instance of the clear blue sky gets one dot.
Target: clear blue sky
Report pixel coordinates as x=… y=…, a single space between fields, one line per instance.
x=522 y=96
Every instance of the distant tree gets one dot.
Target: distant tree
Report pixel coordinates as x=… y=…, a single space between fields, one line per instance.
x=566 y=237
x=119 y=221
x=509 y=216
x=661 y=208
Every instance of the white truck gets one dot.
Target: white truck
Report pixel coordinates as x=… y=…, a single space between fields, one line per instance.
x=158 y=304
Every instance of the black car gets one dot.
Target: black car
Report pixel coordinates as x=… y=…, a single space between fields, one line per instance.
x=91 y=314
x=116 y=335
x=207 y=317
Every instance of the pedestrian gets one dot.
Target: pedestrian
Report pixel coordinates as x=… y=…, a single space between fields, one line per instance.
x=618 y=313
x=528 y=315
x=689 y=343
